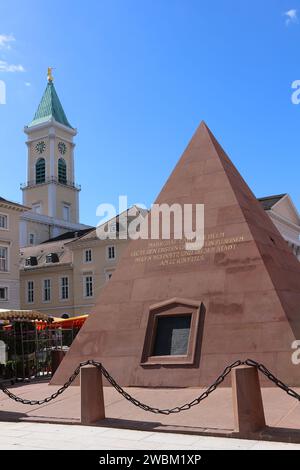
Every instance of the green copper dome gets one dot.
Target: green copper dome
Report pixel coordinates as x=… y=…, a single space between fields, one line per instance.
x=50 y=108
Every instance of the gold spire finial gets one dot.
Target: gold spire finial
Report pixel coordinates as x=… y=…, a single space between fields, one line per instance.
x=49 y=74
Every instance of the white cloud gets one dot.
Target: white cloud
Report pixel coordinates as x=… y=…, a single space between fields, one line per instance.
x=27 y=84
x=291 y=16
x=6 y=67
x=5 y=40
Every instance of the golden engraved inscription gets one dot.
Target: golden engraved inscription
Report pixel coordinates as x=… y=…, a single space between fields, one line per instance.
x=172 y=252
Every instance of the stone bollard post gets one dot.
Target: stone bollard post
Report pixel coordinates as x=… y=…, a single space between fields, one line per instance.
x=57 y=356
x=247 y=400
x=92 y=397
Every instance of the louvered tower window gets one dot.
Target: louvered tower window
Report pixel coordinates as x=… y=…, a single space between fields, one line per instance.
x=40 y=171
x=62 y=171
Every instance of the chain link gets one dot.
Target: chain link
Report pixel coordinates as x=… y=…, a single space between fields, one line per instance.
x=272 y=378
x=47 y=399
x=187 y=406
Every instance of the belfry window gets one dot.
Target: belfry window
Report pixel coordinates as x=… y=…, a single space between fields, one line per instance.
x=40 y=171
x=62 y=171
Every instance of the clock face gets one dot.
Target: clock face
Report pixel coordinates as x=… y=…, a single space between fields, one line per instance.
x=62 y=148
x=40 y=146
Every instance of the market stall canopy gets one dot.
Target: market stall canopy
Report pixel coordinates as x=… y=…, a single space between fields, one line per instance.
x=69 y=322
x=29 y=315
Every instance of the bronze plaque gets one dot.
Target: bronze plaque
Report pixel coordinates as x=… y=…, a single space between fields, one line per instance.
x=172 y=335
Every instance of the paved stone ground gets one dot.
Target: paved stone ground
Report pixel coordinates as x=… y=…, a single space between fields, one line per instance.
x=214 y=416
x=35 y=436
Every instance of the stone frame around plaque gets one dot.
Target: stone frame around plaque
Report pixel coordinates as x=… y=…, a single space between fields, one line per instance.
x=172 y=307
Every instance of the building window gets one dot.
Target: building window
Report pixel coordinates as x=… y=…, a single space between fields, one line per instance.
x=108 y=275
x=31 y=261
x=111 y=252
x=52 y=258
x=64 y=288
x=3 y=222
x=30 y=292
x=37 y=208
x=40 y=171
x=66 y=212
x=47 y=290
x=62 y=171
x=3 y=294
x=88 y=256
x=31 y=239
x=3 y=259
x=88 y=286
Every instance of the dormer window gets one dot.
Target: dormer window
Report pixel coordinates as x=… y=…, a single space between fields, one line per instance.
x=52 y=258
x=31 y=261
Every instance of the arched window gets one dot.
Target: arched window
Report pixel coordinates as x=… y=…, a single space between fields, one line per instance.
x=62 y=171
x=40 y=171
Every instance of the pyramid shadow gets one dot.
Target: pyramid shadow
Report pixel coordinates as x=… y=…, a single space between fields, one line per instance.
x=279 y=434
x=12 y=416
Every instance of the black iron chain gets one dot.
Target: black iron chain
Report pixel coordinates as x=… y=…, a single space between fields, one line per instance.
x=24 y=401
x=177 y=409
x=272 y=378
x=143 y=406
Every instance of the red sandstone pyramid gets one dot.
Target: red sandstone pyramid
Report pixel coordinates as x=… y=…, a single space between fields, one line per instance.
x=243 y=290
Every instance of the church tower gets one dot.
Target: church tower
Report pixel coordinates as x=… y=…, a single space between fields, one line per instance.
x=50 y=191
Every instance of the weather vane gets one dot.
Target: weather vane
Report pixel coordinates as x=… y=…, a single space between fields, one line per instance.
x=49 y=74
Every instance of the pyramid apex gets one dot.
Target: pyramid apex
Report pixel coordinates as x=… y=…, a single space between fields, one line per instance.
x=203 y=126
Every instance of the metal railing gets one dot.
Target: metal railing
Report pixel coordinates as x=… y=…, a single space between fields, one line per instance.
x=52 y=179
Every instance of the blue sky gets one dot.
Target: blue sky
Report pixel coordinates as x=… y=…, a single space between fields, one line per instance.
x=136 y=77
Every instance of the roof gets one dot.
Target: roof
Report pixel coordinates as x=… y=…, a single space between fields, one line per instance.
x=270 y=201
x=41 y=251
x=70 y=235
x=4 y=201
x=55 y=245
x=69 y=322
x=49 y=108
x=6 y=314
x=133 y=212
